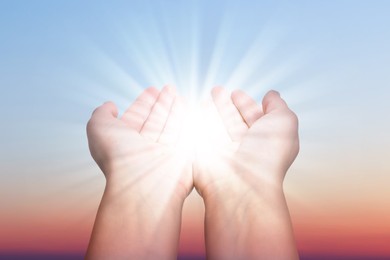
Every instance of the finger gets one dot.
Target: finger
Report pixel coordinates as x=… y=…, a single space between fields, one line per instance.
x=247 y=106
x=136 y=115
x=234 y=123
x=173 y=126
x=106 y=111
x=101 y=115
x=272 y=101
x=157 y=118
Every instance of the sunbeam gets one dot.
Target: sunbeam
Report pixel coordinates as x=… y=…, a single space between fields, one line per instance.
x=61 y=60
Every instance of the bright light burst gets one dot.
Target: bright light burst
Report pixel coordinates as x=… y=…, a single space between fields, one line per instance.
x=163 y=47
x=202 y=133
x=195 y=56
x=183 y=49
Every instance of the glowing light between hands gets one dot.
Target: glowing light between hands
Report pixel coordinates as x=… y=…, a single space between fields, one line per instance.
x=203 y=133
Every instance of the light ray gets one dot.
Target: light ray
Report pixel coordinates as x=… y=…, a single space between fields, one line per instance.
x=255 y=56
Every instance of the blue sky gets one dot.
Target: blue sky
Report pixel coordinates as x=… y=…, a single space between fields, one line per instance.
x=60 y=59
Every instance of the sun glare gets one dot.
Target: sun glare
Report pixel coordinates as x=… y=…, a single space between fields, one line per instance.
x=202 y=132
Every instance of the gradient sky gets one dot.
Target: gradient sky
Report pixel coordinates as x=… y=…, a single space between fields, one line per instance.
x=329 y=59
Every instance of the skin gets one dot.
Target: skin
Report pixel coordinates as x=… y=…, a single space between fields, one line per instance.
x=145 y=187
x=240 y=179
x=246 y=211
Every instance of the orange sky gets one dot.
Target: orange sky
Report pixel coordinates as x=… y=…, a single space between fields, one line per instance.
x=356 y=231
x=330 y=61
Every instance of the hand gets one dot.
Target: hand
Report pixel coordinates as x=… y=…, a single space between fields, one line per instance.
x=246 y=212
x=137 y=149
x=261 y=144
x=140 y=213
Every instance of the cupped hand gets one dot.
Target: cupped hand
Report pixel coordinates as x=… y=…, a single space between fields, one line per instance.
x=136 y=151
x=261 y=144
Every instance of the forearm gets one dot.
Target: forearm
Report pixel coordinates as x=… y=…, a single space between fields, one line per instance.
x=130 y=225
x=248 y=222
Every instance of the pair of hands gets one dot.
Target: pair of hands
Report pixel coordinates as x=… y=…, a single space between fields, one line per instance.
x=129 y=149
x=149 y=174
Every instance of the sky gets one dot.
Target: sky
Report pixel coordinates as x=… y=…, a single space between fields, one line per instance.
x=330 y=60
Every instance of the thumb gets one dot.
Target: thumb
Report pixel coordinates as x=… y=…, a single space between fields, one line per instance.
x=272 y=101
x=106 y=111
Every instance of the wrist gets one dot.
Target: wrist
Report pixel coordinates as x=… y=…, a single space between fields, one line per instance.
x=254 y=224
x=239 y=184
x=243 y=196
x=154 y=204
x=133 y=219
x=151 y=186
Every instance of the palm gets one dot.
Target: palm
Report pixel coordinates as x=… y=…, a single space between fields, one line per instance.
x=258 y=142
x=271 y=143
x=141 y=143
